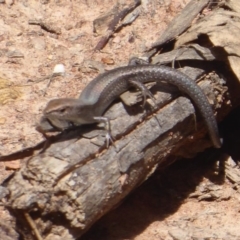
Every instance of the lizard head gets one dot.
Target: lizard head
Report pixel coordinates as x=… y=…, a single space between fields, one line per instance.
x=61 y=112
x=65 y=113
x=60 y=108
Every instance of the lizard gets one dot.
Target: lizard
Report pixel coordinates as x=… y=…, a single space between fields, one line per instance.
x=97 y=96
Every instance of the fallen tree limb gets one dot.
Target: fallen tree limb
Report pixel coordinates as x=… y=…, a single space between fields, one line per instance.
x=75 y=181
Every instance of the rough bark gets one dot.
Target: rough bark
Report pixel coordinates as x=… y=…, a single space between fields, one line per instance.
x=80 y=180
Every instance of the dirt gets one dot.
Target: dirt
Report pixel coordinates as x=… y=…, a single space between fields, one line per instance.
x=182 y=202
x=187 y=201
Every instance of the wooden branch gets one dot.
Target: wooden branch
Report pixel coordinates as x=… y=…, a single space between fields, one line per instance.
x=74 y=182
x=181 y=22
x=113 y=21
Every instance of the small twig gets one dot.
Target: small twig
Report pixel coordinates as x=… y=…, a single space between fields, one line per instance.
x=49 y=82
x=115 y=24
x=43 y=78
x=45 y=26
x=50 y=77
x=33 y=226
x=59 y=70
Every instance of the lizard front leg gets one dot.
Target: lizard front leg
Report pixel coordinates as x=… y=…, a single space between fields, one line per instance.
x=107 y=127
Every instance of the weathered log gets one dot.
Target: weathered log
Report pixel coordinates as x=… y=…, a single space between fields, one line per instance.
x=76 y=180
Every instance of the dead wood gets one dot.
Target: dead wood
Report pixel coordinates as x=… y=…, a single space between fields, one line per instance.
x=181 y=22
x=114 y=20
x=76 y=180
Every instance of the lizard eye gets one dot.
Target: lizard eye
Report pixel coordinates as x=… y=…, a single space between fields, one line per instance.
x=62 y=110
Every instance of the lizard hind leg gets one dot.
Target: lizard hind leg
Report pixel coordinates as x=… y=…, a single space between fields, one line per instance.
x=145 y=92
x=134 y=61
x=108 y=136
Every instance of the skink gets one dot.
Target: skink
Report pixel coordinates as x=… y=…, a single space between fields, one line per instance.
x=105 y=88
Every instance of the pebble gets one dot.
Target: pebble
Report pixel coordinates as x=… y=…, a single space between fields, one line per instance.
x=59 y=68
